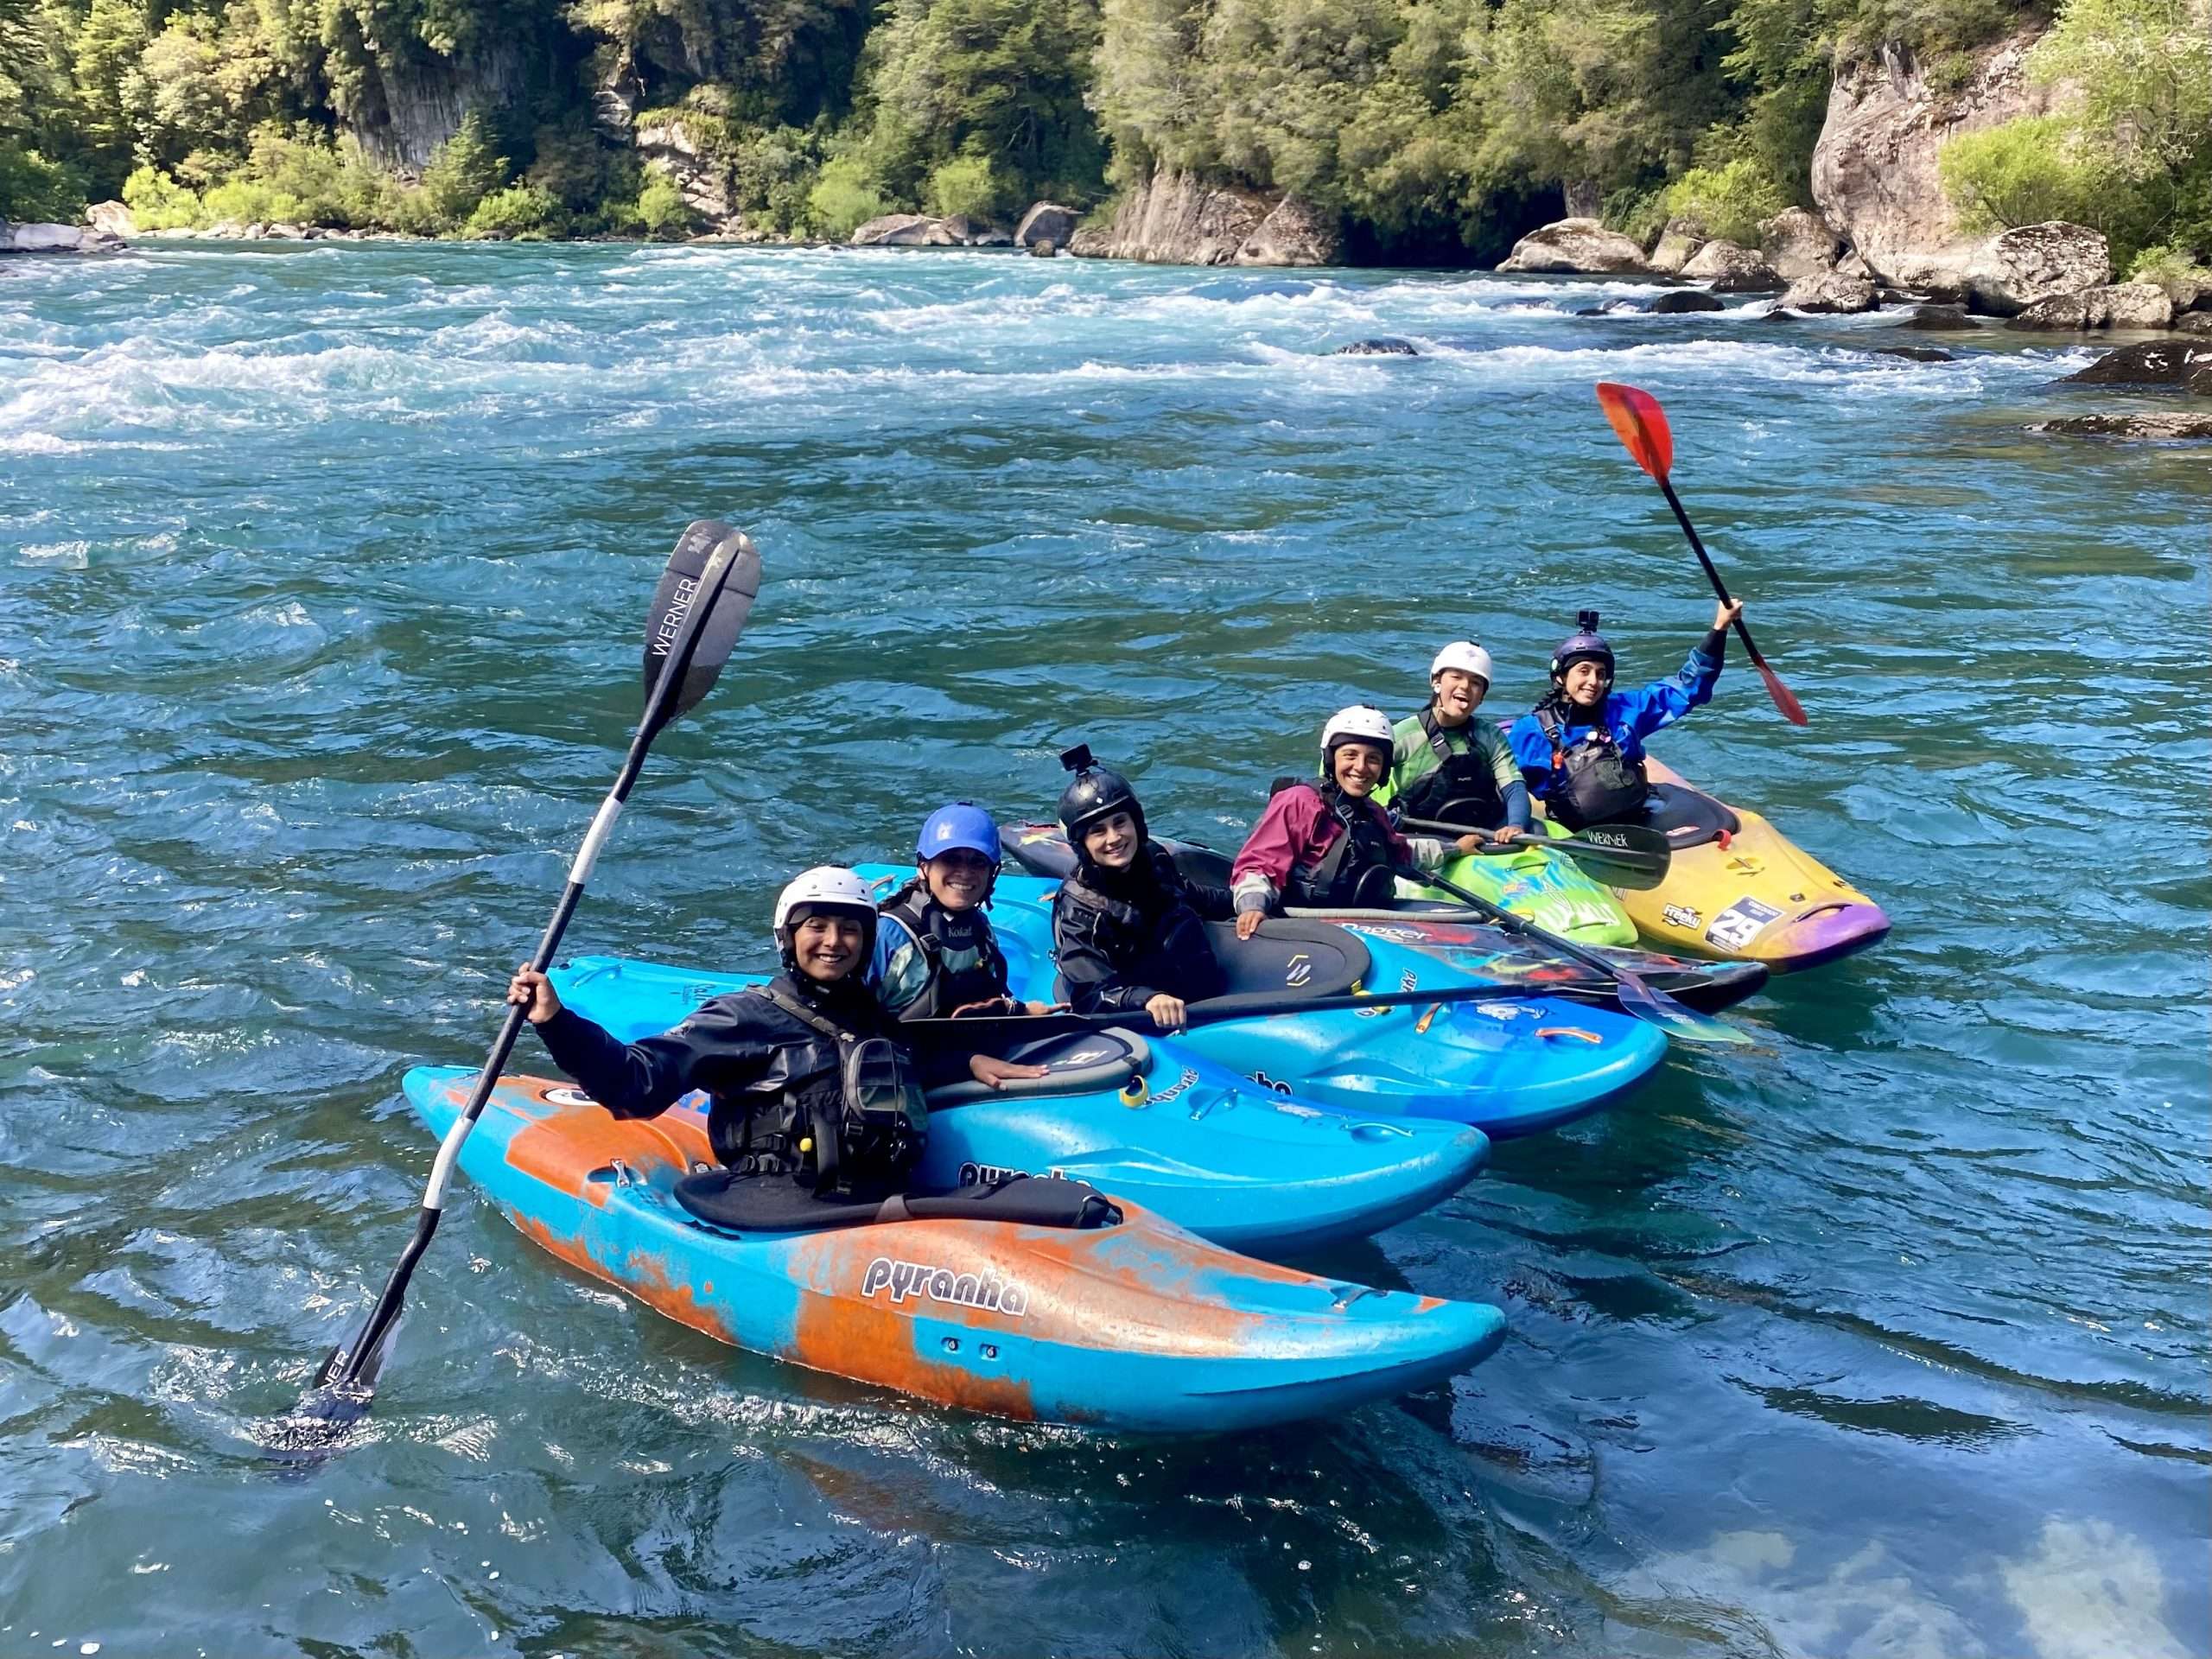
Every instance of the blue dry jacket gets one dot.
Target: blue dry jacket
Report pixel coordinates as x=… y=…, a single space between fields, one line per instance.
x=1632 y=716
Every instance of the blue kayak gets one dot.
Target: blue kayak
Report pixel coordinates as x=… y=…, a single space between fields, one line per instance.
x=1514 y=1064
x=1185 y=1137
x=1135 y=1324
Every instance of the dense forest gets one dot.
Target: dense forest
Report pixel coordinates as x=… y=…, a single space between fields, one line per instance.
x=1437 y=128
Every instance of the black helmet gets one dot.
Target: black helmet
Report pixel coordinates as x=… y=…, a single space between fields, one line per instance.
x=1586 y=644
x=1091 y=794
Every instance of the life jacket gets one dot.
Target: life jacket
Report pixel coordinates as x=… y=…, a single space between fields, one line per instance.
x=1463 y=790
x=958 y=948
x=1165 y=945
x=1357 y=870
x=1593 y=782
x=842 y=1112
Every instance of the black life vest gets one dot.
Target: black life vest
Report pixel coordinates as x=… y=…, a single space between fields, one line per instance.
x=941 y=934
x=1463 y=789
x=1162 y=944
x=1357 y=870
x=1593 y=782
x=842 y=1112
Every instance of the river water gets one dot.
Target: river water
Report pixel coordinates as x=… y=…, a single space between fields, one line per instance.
x=321 y=573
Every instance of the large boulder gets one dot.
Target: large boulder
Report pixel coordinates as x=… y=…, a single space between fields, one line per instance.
x=1940 y=318
x=1729 y=268
x=2196 y=322
x=2036 y=262
x=2127 y=305
x=906 y=230
x=46 y=239
x=1576 y=247
x=1798 y=245
x=1828 y=294
x=1874 y=168
x=111 y=218
x=972 y=233
x=1175 y=218
x=1380 y=345
x=1915 y=353
x=1684 y=300
x=1677 y=243
x=2154 y=363
x=1047 y=221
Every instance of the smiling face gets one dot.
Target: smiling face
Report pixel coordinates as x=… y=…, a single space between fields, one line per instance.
x=1587 y=682
x=828 y=946
x=1359 y=767
x=959 y=880
x=1459 y=693
x=1112 y=841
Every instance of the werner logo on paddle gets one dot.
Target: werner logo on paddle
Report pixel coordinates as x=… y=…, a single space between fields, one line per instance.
x=904 y=1279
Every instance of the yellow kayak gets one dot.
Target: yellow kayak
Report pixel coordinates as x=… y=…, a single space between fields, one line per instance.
x=1737 y=890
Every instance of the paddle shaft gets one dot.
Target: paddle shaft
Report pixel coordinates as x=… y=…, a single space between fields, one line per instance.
x=1711 y=574
x=1211 y=1011
x=344 y=1367
x=1648 y=863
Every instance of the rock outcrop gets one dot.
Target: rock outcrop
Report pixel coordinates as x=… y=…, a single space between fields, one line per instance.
x=1940 y=318
x=2167 y=427
x=1381 y=346
x=1047 y=221
x=1915 y=353
x=1676 y=245
x=1828 y=295
x=111 y=218
x=1174 y=218
x=1683 y=300
x=2154 y=363
x=1798 y=245
x=1731 y=269
x=2011 y=272
x=1576 y=247
x=904 y=231
x=2126 y=305
x=1874 y=177
x=670 y=147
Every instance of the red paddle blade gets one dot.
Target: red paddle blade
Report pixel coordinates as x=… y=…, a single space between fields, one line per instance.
x=1784 y=698
x=1642 y=425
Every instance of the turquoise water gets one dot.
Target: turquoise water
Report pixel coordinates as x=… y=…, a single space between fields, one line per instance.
x=321 y=572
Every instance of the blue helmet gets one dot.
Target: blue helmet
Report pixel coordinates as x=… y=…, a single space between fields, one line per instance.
x=1586 y=644
x=959 y=825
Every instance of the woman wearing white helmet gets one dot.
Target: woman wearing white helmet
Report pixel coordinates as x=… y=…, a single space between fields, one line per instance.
x=1447 y=765
x=807 y=1076
x=1329 y=845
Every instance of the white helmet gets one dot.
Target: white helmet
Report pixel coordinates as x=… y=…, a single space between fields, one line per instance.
x=1465 y=656
x=824 y=887
x=1361 y=723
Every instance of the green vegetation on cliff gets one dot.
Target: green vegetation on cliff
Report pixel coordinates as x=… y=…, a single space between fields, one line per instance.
x=1437 y=128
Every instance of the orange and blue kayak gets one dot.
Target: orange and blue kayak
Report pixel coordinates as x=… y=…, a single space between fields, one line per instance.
x=1133 y=1325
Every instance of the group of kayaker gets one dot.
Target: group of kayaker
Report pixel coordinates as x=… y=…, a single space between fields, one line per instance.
x=810 y=1077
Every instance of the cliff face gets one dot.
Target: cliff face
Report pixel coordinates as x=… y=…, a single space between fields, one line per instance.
x=1173 y=218
x=1874 y=172
x=408 y=107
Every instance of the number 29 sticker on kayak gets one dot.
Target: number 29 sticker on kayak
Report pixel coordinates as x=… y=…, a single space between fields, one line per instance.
x=1737 y=925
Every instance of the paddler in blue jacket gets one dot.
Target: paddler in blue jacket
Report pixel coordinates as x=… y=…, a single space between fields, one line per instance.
x=1581 y=749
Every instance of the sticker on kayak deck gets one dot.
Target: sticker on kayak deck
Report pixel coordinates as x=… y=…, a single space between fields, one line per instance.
x=568 y=1098
x=1300 y=972
x=1000 y=1174
x=904 y=1279
x=1737 y=925
x=1181 y=1085
x=1267 y=1081
x=1683 y=916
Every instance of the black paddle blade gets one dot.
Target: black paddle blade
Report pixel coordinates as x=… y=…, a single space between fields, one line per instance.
x=323 y=1420
x=679 y=590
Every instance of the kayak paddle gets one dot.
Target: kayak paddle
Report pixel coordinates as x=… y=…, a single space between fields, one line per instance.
x=698 y=610
x=1001 y=1028
x=1642 y=426
x=1636 y=998
x=1633 y=856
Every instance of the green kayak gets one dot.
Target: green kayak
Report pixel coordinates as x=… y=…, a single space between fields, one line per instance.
x=1547 y=888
